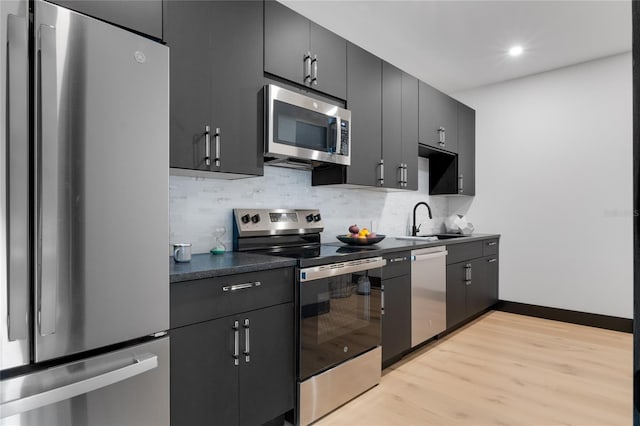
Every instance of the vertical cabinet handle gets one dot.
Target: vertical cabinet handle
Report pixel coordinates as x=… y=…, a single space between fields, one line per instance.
x=236 y=343
x=247 y=341
x=442 y=135
x=401 y=170
x=467 y=274
x=381 y=178
x=207 y=145
x=382 y=299
x=216 y=136
x=306 y=60
x=314 y=75
x=406 y=175
x=460 y=183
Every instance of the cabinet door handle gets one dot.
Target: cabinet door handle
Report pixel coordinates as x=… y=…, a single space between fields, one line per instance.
x=492 y=260
x=216 y=136
x=382 y=300
x=492 y=243
x=406 y=174
x=442 y=135
x=460 y=183
x=467 y=282
x=467 y=272
x=381 y=178
x=237 y=287
x=247 y=341
x=236 y=343
x=306 y=60
x=207 y=145
x=314 y=75
x=401 y=170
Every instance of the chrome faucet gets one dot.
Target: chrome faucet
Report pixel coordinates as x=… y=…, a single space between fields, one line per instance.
x=414 y=228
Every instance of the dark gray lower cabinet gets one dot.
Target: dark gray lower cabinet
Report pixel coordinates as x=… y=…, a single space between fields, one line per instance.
x=232 y=349
x=208 y=388
x=472 y=284
x=396 y=318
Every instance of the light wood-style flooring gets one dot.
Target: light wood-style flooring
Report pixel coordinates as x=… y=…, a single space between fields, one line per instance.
x=504 y=369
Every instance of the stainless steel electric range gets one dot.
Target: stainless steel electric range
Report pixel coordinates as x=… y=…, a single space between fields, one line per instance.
x=338 y=305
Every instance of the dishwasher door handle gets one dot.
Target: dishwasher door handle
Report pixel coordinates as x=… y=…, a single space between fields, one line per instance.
x=421 y=257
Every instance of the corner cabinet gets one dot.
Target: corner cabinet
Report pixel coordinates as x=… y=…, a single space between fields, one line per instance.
x=472 y=279
x=216 y=85
x=454 y=173
x=232 y=351
x=438 y=119
x=303 y=52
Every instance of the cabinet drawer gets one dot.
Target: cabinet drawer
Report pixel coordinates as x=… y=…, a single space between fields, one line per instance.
x=489 y=247
x=398 y=264
x=211 y=298
x=464 y=251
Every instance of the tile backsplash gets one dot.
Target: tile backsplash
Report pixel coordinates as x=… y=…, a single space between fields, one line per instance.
x=199 y=206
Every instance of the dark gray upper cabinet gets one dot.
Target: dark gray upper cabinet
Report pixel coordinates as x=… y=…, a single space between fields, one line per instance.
x=143 y=16
x=392 y=110
x=364 y=99
x=399 y=128
x=290 y=38
x=438 y=119
x=216 y=85
x=466 y=150
x=410 y=130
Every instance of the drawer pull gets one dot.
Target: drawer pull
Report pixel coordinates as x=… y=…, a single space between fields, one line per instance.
x=492 y=243
x=398 y=259
x=492 y=260
x=236 y=287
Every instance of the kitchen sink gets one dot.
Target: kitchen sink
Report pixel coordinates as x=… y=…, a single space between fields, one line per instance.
x=432 y=237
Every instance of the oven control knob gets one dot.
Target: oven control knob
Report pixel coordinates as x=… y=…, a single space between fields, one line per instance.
x=255 y=218
x=309 y=218
x=245 y=219
x=317 y=217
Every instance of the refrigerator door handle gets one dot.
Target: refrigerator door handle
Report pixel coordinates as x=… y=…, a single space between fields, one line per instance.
x=17 y=185
x=140 y=365
x=49 y=186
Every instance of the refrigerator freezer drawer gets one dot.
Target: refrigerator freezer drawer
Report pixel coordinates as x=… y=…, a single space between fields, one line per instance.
x=128 y=386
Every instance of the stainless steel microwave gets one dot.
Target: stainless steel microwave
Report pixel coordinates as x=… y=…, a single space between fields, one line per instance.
x=307 y=129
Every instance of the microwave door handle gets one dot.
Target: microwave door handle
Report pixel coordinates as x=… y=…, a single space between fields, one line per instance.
x=49 y=186
x=16 y=181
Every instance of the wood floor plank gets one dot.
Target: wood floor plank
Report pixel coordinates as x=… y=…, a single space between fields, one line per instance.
x=504 y=369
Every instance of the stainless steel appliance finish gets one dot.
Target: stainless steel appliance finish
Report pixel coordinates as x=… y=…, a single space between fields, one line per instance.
x=428 y=293
x=14 y=185
x=309 y=130
x=262 y=222
x=321 y=394
x=119 y=388
x=341 y=268
x=82 y=172
x=102 y=178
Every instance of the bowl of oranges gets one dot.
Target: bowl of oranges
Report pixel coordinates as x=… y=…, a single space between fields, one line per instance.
x=360 y=237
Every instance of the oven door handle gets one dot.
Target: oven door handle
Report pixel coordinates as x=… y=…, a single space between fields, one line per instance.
x=341 y=268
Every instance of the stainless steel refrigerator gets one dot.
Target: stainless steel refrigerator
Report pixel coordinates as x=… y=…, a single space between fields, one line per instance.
x=84 y=160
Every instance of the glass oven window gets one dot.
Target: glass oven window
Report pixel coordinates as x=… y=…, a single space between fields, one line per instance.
x=339 y=318
x=304 y=128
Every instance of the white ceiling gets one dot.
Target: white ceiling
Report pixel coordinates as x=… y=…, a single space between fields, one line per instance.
x=458 y=45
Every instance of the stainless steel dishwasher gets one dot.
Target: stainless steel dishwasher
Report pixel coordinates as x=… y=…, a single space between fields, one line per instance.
x=428 y=293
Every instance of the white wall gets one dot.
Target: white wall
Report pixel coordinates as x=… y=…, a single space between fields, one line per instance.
x=198 y=205
x=554 y=176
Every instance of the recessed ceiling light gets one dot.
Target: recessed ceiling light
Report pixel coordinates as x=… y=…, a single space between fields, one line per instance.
x=516 y=51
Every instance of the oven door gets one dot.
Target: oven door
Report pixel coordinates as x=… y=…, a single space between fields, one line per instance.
x=340 y=313
x=306 y=128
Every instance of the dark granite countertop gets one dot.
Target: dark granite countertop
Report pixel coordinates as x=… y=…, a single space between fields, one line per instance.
x=214 y=265
x=210 y=265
